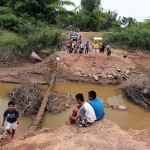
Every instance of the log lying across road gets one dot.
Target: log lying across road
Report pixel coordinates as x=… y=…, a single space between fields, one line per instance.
x=40 y=114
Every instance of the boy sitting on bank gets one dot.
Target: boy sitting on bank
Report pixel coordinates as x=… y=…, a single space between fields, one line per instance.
x=85 y=114
x=11 y=115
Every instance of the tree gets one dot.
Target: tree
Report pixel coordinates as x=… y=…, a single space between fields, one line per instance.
x=41 y=9
x=127 y=21
x=147 y=21
x=90 y=5
x=3 y=2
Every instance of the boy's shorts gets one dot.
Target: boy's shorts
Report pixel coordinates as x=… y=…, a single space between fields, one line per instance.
x=84 y=123
x=11 y=125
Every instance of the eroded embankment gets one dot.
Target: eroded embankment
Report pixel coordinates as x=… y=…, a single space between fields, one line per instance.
x=102 y=135
x=94 y=68
x=97 y=68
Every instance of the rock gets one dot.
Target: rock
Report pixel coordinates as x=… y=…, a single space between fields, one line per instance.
x=125 y=54
x=119 y=70
x=122 y=108
x=124 y=76
x=114 y=74
x=92 y=69
x=78 y=69
x=106 y=105
x=67 y=106
x=110 y=76
x=35 y=56
x=127 y=72
x=113 y=77
x=96 y=77
x=85 y=75
x=77 y=74
x=145 y=90
x=100 y=75
x=105 y=76
x=114 y=107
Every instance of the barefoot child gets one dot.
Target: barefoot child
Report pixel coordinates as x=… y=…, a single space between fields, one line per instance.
x=11 y=115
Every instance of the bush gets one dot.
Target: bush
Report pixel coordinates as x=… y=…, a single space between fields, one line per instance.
x=135 y=37
x=5 y=10
x=29 y=36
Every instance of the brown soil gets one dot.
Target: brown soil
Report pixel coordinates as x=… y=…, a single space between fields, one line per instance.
x=142 y=61
x=141 y=135
x=102 y=135
x=59 y=102
x=83 y=67
x=35 y=73
x=93 y=68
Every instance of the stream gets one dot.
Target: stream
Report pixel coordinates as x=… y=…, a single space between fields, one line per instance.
x=135 y=117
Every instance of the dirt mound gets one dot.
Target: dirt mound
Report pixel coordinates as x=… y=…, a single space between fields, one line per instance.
x=58 y=102
x=96 y=68
x=103 y=135
x=29 y=97
x=141 y=135
x=142 y=62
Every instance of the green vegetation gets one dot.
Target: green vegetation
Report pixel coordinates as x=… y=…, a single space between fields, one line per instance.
x=32 y=25
x=89 y=17
x=135 y=36
x=28 y=36
x=27 y=26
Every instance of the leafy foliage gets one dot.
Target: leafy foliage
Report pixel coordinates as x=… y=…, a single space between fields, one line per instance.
x=44 y=10
x=127 y=21
x=137 y=36
x=90 y=5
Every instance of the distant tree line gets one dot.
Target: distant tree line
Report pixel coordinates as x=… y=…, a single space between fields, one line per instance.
x=89 y=16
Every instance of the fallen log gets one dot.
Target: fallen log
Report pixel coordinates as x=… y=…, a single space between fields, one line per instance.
x=40 y=114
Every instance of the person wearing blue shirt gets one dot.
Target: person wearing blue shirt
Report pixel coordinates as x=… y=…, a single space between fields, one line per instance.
x=97 y=105
x=11 y=115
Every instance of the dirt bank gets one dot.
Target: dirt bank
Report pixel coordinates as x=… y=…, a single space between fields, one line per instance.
x=97 y=68
x=94 y=68
x=28 y=73
x=103 y=135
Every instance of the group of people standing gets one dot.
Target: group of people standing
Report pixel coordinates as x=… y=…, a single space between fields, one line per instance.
x=77 y=46
x=80 y=47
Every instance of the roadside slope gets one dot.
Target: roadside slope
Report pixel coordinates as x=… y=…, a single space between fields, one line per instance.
x=103 y=135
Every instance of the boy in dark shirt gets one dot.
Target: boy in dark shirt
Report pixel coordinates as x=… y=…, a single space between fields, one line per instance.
x=11 y=115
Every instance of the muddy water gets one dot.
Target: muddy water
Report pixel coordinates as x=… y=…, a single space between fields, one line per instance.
x=135 y=117
x=4 y=99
